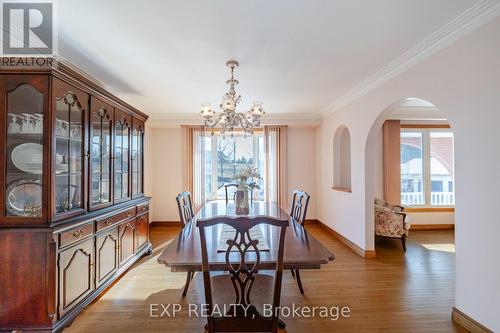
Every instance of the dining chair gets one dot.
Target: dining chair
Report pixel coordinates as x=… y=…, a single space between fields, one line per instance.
x=186 y=214
x=227 y=186
x=241 y=288
x=298 y=212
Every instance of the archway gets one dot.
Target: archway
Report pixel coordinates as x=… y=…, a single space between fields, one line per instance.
x=410 y=111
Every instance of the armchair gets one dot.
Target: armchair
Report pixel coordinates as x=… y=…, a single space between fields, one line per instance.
x=391 y=221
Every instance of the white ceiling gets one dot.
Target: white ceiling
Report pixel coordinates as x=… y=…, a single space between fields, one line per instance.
x=167 y=57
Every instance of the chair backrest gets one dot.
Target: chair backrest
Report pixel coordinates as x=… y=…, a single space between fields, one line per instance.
x=226 y=186
x=242 y=271
x=185 y=207
x=298 y=211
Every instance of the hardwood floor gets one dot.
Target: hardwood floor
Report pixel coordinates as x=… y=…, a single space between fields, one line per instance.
x=395 y=292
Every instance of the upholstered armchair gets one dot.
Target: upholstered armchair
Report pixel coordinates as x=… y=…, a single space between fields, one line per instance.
x=391 y=221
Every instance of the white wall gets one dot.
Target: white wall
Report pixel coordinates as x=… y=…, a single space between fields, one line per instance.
x=165 y=172
x=463 y=81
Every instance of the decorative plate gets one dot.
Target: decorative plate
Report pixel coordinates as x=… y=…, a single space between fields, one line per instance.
x=24 y=198
x=28 y=157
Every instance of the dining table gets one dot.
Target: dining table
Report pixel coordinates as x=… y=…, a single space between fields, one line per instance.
x=301 y=251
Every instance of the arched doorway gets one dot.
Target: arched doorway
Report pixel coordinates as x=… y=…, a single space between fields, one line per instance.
x=425 y=176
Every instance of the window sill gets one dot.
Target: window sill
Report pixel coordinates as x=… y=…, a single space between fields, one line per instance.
x=430 y=209
x=341 y=189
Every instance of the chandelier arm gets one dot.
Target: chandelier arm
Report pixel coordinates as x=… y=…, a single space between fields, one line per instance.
x=245 y=124
x=214 y=120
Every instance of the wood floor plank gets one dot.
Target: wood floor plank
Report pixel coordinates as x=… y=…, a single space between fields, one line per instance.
x=394 y=292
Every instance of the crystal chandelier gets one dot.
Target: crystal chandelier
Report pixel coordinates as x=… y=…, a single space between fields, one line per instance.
x=229 y=119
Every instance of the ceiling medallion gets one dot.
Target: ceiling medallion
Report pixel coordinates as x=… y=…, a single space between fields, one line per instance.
x=228 y=119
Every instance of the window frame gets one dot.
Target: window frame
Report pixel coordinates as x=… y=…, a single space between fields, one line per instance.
x=426 y=131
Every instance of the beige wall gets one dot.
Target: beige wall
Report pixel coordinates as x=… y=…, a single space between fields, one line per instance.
x=432 y=218
x=302 y=164
x=165 y=172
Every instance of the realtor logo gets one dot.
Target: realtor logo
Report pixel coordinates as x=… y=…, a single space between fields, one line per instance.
x=27 y=29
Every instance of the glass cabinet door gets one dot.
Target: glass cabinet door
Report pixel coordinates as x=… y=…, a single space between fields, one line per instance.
x=121 y=157
x=100 y=156
x=69 y=132
x=24 y=152
x=137 y=157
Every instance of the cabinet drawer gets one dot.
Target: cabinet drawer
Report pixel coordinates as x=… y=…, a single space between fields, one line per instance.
x=142 y=208
x=75 y=234
x=110 y=220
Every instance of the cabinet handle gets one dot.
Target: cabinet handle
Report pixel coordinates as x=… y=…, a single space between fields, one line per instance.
x=91 y=264
x=78 y=233
x=108 y=221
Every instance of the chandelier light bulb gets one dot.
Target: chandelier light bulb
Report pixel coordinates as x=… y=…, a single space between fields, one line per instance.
x=257 y=109
x=206 y=110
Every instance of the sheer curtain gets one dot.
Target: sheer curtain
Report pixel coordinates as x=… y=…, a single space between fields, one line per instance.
x=194 y=141
x=275 y=150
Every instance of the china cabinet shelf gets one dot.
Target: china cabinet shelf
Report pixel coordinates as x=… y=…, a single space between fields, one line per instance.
x=73 y=229
x=64 y=138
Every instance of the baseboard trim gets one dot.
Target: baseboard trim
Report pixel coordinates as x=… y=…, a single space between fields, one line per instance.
x=467 y=322
x=432 y=227
x=165 y=224
x=367 y=254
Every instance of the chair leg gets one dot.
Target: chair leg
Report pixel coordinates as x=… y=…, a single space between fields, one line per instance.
x=299 y=282
x=189 y=277
x=403 y=242
x=293 y=273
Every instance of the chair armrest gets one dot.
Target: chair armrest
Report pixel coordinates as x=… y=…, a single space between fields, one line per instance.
x=389 y=223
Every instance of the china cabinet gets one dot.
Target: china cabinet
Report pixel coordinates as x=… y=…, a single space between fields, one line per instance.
x=73 y=215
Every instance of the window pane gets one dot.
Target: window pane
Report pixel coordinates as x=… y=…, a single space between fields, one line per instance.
x=412 y=182
x=441 y=144
x=228 y=157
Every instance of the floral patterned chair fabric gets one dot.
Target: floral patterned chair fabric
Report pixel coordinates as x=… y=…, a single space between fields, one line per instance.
x=391 y=221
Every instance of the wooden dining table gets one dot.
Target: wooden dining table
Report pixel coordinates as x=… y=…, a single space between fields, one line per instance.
x=302 y=250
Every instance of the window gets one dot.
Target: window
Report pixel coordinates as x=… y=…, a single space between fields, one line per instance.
x=427 y=167
x=226 y=156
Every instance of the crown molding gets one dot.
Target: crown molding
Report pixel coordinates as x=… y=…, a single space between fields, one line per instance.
x=479 y=14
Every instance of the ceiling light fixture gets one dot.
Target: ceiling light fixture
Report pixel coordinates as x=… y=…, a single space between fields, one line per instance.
x=229 y=119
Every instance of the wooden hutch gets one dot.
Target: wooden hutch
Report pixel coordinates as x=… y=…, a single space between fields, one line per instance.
x=73 y=215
